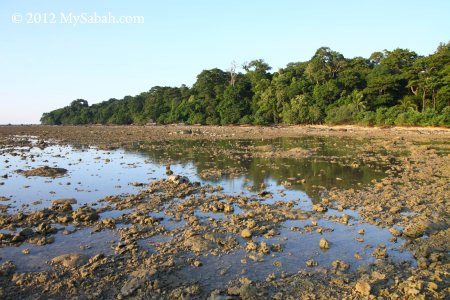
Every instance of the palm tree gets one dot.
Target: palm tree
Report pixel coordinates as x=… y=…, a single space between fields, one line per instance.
x=358 y=101
x=407 y=103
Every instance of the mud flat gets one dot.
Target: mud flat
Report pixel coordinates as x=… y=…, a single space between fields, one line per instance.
x=190 y=213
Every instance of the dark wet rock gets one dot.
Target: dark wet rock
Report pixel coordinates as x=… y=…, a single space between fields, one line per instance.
x=3 y=208
x=26 y=232
x=17 y=238
x=7 y=268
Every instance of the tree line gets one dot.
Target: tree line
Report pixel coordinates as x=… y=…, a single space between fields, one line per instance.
x=396 y=87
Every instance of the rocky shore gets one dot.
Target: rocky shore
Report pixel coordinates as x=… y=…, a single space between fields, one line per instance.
x=174 y=227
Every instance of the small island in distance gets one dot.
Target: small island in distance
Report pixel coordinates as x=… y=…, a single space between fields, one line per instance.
x=397 y=87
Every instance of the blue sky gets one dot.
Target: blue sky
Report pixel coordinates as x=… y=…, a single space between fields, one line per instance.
x=46 y=66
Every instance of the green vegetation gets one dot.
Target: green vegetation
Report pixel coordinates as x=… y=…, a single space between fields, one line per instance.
x=395 y=87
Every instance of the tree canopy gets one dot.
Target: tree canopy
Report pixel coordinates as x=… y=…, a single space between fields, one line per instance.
x=397 y=87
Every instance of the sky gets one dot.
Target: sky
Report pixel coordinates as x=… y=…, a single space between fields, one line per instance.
x=47 y=60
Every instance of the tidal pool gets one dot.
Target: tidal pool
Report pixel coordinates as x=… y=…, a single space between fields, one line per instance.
x=304 y=177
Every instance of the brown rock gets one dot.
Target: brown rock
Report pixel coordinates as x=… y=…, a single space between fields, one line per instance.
x=324 y=244
x=363 y=287
x=246 y=233
x=73 y=260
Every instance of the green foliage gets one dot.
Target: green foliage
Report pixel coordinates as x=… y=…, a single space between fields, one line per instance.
x=395 y=87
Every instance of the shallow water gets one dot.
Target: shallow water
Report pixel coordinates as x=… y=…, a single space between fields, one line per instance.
x=94 y=174
x=83 y=241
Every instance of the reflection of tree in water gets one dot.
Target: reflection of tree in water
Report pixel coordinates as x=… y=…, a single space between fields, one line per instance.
x=331 y=160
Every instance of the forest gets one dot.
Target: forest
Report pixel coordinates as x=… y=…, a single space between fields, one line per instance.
x=397 y=87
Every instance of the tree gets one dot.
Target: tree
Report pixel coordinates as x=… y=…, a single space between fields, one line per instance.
x=389 y=87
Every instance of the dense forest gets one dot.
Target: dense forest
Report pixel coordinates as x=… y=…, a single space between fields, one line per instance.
x=395 y=87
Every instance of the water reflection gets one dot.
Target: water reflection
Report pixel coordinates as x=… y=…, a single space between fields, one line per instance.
x=333 y=163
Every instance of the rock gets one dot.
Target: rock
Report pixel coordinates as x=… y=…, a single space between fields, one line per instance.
x=276 y=248
x=395 y=209
x=319 y=208
x=361 y=231
x=197 y=263
x=246 y=233
x=422 y=262
x=228 y=208
x=177 y=179
x=64 y=201
x=378 y=276
x=64 y=219
x=251 y=246
x=85 y=214
x=45 y=228
x=109 y=222
x=26 y=232
x=416 y=229
x=344 y=219
x=130 y=286
x=363 y=287
x=251 y=224
x=311 y=263
x=263 y=248
x=340 y=265
x=324 y=244
x=395 y=232
x=248 y=292
x=214 y=296
x=73 y=260
x=380 y=252
x=17 y=238
x=45 y=171
x=7 y=268
x=198 y=244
